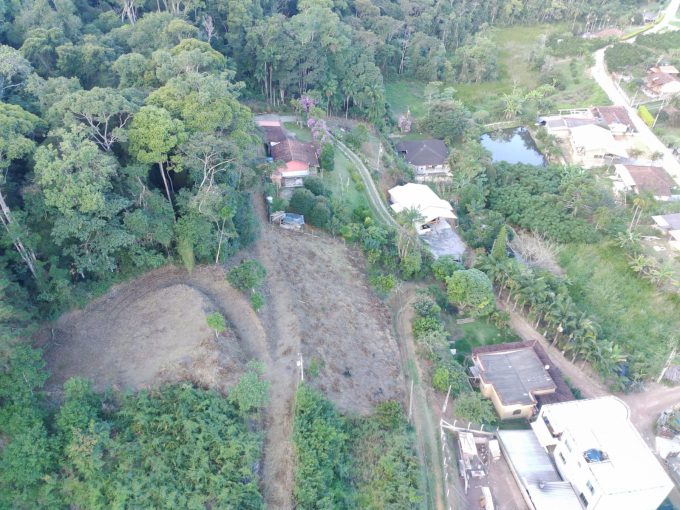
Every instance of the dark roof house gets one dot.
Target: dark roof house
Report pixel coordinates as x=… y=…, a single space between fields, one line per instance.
x=272 y=130
x=517 y=376
x=423 y=152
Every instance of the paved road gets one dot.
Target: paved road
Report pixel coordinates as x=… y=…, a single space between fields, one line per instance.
x=377 y=203
x=605 y=81
x=668 y=16
x=645 y=134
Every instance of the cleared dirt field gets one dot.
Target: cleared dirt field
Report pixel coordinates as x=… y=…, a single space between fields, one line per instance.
x=152 y=330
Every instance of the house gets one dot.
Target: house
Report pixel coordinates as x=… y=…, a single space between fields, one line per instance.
x=590 y=145
x=668 y=69
x=616 y=118
x=518 y=377
x=427 y=157
x=662 y=84
x=669 y=224
x=561 y=125
x=273 y=133
x=298 y=159
x=596 y=448
x=437 y=219
x=421 y=198
x=649 y=17
x=646 y=179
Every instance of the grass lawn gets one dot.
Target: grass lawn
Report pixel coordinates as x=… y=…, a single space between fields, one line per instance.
x=475 y=334
x=402 y=95
x=516 y=45
x=341 y=185
x=301 y=133
x=630 y=310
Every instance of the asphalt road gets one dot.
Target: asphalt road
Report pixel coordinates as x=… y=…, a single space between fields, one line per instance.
x=605 y=81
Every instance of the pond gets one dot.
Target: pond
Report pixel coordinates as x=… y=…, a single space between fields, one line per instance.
x=512 y=146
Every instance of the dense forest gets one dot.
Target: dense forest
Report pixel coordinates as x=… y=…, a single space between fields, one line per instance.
x=127 y=142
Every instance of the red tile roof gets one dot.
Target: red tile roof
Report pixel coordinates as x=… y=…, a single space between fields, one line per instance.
x=614 y=115
x=294 y=150
x=653 y=179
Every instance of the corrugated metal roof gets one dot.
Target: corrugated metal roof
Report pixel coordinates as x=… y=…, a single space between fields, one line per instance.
x=536 y=472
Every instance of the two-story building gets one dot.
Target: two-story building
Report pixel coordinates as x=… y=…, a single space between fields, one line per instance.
x=596 y=448
x=427 y=157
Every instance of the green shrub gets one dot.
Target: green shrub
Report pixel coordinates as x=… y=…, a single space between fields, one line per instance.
x=445 y=266
x=247 y=275
x=470 y=290
x=472 y=407
x=383 y=283
x=453 y=374
x=426 y=306
x=256 y=301
x=645 y=115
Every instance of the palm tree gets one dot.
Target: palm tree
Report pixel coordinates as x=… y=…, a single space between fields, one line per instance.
x=407 y=239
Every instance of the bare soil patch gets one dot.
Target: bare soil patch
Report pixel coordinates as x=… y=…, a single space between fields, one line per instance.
x=151 y=331
x=344 y=328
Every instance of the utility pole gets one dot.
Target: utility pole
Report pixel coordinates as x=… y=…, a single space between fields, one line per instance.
x=410 y=403
x=668 y=364
x=380 y=149
x=302 y=367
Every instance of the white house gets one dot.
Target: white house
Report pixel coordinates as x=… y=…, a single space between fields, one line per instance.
x=669 y=224
x=435 y=226
x=590 y=145
x=596 y=448
x=420 y=197
x=646 y=179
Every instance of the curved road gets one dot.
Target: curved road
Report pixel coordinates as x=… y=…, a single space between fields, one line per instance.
x=372 y=192
x=605 y=81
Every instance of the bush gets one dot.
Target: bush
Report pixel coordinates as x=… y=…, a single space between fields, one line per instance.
x=453 y=374
x=426 y=306
x=256 y=301
x=327 y=157
x=315 y=185
x=357 y=137
x=646 y=116
x=445 y=266
x=424 y=325
x=471 y=290
x=383 y=283
x=248 y=275
x=320 y=214
x=472 y=407
x=389 y=415
x=302 y=201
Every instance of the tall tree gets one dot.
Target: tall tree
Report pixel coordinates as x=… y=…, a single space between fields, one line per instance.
x=16 y=125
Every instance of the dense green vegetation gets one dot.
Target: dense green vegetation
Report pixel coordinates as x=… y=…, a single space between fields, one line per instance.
x=347 y=462
x=126 y=144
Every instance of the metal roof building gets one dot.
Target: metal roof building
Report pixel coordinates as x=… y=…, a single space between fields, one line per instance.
x=542 y=486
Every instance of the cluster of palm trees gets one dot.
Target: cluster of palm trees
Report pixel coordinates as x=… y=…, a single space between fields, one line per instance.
x=545 y=300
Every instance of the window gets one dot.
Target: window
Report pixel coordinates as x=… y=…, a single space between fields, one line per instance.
x=516 y=412
x=562 y=458
x=590 y=487
x=566 y=443
x=583 y=500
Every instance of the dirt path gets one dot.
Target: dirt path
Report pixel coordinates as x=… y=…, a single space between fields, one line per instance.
x=284 y=344
x=644 y=406
x=429 y=449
